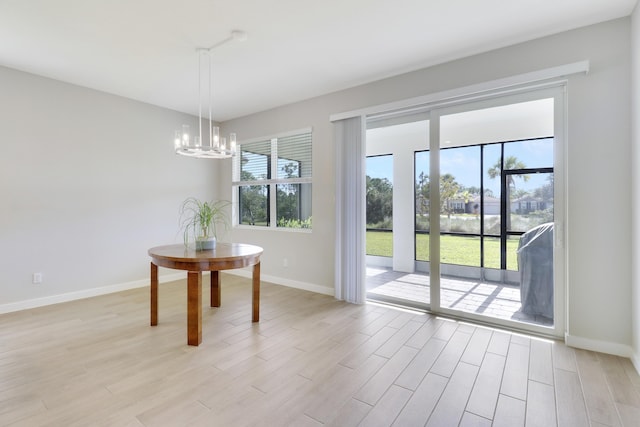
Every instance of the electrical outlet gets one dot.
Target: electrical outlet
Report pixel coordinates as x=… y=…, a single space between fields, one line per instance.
x=37 y=278
x=285 y=263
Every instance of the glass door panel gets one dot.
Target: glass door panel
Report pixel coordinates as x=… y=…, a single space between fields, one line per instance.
x=379 y=211
x=496 y=161
x=397 y=211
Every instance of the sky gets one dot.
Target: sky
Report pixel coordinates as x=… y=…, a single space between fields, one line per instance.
x=526 y=123
x=464 y=163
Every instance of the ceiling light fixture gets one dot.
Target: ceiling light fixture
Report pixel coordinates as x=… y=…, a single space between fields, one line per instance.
x=190 y=145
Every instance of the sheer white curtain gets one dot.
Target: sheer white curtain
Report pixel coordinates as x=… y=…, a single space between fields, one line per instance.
x=349 y=136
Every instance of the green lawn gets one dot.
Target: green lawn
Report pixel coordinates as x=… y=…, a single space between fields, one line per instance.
x=453 y=249
x=379 y=243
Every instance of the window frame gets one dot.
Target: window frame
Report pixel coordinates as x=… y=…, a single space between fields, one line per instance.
x=271 y=182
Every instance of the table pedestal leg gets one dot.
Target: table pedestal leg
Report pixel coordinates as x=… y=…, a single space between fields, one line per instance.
x=154 y=294
x=215 y=289
x=194 y=307
x=256 y=293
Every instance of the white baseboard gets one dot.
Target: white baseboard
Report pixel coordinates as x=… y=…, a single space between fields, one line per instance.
x=94 y=292
x=85 y=293
x=285 y=282
x=635 y=359
x=600 y=346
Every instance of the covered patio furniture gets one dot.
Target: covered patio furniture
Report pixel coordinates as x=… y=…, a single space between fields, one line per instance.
x=535 y=263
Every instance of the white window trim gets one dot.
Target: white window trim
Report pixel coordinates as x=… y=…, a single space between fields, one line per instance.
x=272 y=183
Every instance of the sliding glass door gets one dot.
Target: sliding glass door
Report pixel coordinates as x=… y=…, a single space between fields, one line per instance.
x=477 y=205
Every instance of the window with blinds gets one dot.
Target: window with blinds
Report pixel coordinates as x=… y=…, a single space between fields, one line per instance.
x=272 y=181
x=256 y=161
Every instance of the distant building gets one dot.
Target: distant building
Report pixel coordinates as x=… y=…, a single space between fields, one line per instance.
x=491 y=205
x=523 y=205
x=528 y=204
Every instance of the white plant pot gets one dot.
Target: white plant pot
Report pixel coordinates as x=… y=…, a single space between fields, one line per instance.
x=205 y=243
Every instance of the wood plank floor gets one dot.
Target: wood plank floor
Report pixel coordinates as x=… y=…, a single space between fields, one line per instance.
x=311 y=361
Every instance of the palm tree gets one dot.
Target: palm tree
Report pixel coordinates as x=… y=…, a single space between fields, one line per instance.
x=449 y=188
x=511 y=162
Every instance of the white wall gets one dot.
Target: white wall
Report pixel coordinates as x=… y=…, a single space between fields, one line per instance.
x=635 y=128
x=88 y=182
x=599 y=170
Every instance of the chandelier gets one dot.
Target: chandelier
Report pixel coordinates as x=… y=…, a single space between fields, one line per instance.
x=214 y=147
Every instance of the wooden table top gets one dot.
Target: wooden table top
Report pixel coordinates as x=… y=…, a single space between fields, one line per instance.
x=225 y=256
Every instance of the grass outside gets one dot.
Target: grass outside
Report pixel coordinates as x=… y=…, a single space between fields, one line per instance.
x=458 y=250
x=379 y=243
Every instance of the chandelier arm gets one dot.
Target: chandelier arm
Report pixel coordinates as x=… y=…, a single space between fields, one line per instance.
x=220 y=43
x=235 y=35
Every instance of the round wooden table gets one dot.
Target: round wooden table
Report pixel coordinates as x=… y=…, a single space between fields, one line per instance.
x=225 y=256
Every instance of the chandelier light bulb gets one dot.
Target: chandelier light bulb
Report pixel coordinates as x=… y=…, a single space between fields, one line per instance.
x=177 y=141
x=216 y=137
x=232 y=143
x=185 y=135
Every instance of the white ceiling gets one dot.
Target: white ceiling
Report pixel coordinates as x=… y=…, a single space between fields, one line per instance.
x=296 y=49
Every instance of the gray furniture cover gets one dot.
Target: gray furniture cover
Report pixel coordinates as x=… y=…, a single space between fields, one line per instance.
x=535 y=262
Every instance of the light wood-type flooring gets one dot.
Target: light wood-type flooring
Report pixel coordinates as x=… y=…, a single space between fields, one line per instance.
x=311 y=361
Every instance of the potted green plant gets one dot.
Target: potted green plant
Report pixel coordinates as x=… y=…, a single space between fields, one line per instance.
x=199 y=221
